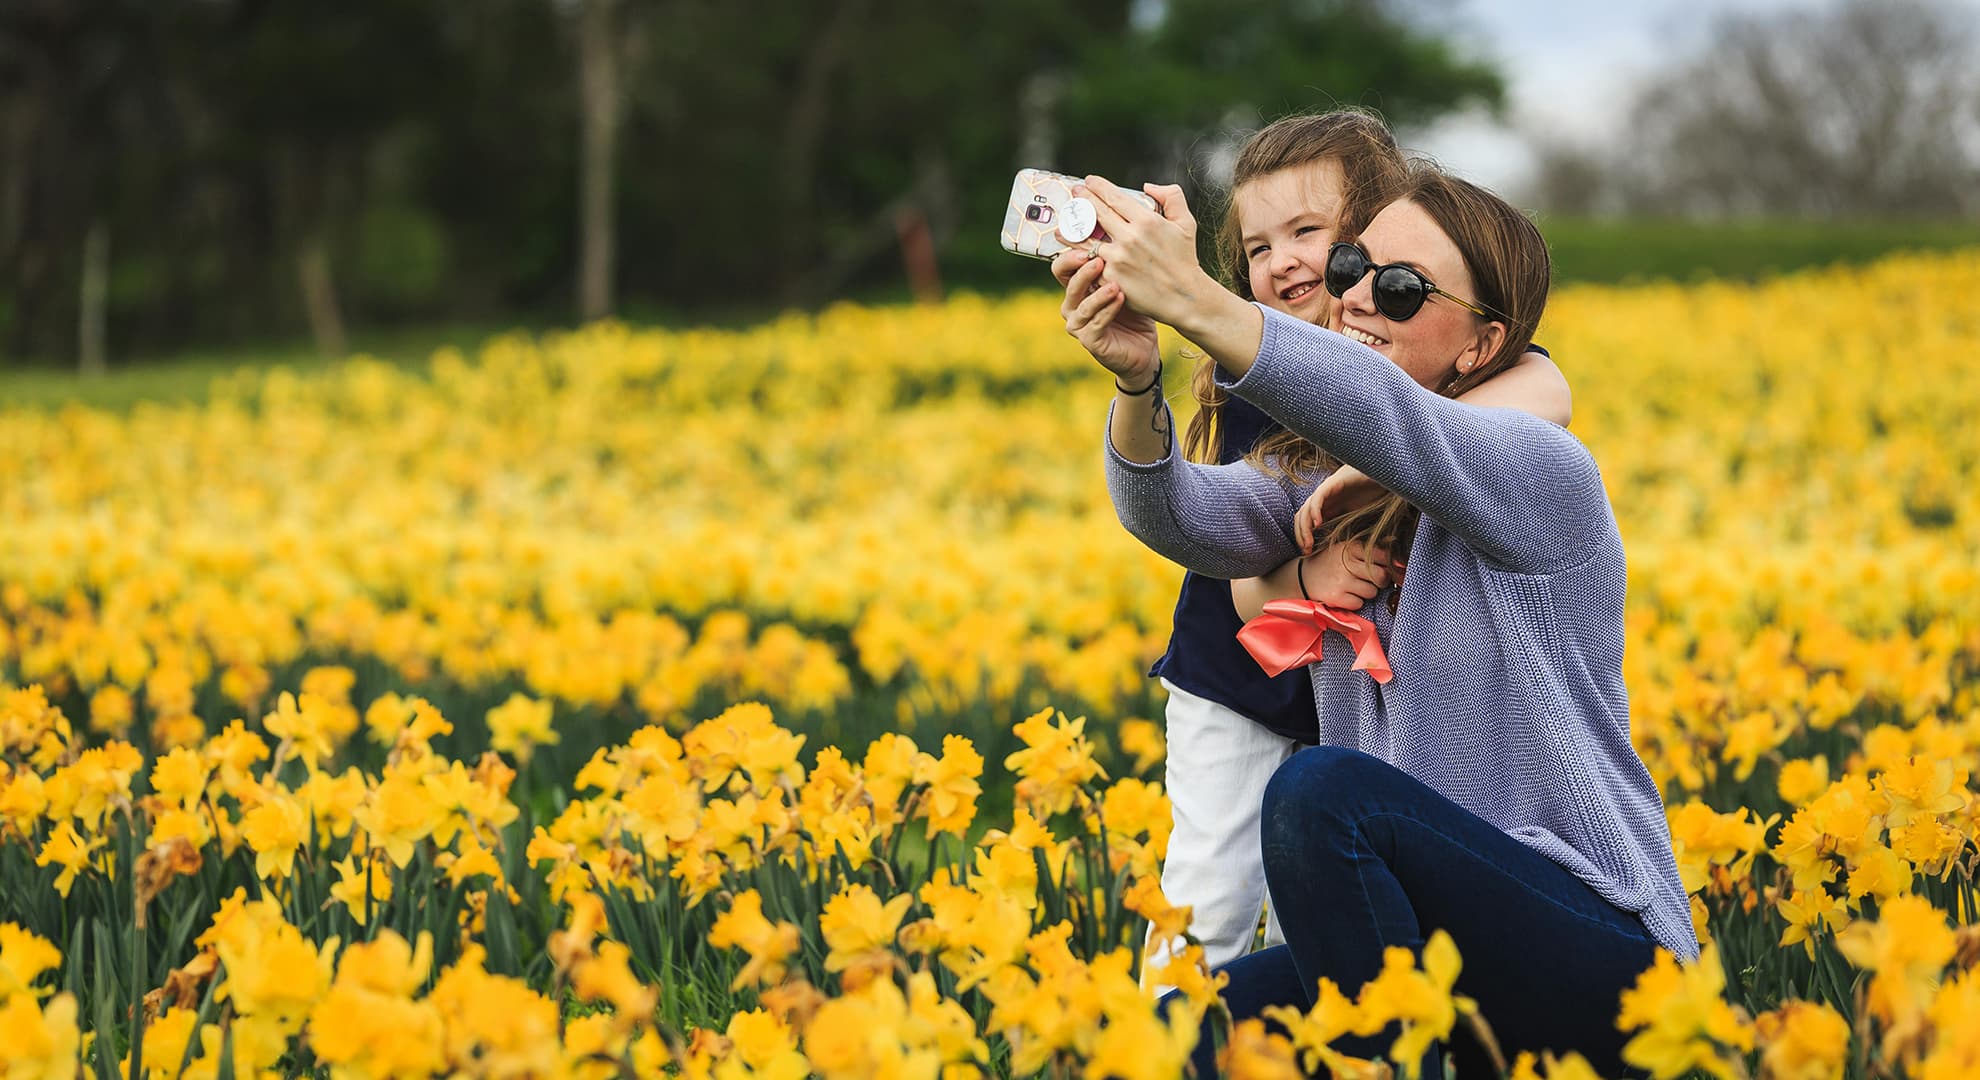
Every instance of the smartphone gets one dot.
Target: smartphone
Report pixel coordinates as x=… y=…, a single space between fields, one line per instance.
x=1042 y=205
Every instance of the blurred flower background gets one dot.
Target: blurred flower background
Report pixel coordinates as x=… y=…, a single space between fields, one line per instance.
x=406 y=670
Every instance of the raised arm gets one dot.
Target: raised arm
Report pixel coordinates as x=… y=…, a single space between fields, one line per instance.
x=1225 y=521
x=1517 y=487
x=1520 y=490
x=1532 y=384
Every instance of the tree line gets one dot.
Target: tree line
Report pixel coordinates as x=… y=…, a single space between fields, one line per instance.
x=1850 y=110
x=178 y=172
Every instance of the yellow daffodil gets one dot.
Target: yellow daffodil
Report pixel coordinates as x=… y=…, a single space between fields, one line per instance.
x=274 y=830
x=1908 y=948
x=271 y=970
x=369 y=1022
x=859 y=929
x=1419 y=999
x=471 y=861
x=888 y=768
x=608 y=977
x=304 y=728
x=768 y=944
x=1572 y=1067
x=24 y=957
x=399 y=813
x=165 y=1039
x=519 y=725
x=66 y=848
x=1254 y=1053
x=180 y=774
x=1955 y=1019
x=1055 y=764
x=493 y=1022
x=1681 y=1021
x=357 y=877
x=1143 y=740
x=950 y=787
x=1802 y=779
x=37 y=1042
x=1802 y=1041
x=764 y=1048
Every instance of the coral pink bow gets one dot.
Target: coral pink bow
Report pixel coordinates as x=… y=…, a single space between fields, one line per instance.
x=1290 y=634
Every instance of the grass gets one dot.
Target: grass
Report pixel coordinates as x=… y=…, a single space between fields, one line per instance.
x=1615 y=252
x=187 y=377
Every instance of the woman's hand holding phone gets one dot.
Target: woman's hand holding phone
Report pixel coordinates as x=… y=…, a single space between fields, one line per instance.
x=1150 y=254
x=1096 y=316
x=1043 y=207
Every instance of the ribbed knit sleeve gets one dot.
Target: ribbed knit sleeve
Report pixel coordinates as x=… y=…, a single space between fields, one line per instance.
x=1223 y=521
x=1519 y=489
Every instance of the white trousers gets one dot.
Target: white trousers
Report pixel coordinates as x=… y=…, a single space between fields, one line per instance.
x=1218 y=763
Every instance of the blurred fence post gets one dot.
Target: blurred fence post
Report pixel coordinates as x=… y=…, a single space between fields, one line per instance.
x=94 y=308
x=598 y=79
x=1038 y=130
x=918 y=252
x=319 y=290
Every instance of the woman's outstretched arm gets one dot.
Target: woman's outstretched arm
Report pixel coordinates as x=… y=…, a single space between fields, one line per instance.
x=1519 y=489
x=1532 y=384
x=1224 y=521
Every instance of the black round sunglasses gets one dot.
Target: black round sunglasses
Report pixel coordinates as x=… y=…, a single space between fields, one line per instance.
x=1400 y=291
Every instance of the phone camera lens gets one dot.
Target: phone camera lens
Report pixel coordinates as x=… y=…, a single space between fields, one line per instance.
x=1031 y=213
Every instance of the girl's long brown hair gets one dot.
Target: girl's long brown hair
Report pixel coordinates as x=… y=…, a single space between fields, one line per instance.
x=1510 y=273
x=1372 y=171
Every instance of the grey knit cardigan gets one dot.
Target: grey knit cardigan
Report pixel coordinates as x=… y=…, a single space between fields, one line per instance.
x=1508 y=694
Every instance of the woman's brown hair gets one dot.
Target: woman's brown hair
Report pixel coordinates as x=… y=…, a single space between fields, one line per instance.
x=1510 y=273
x=1372 y=169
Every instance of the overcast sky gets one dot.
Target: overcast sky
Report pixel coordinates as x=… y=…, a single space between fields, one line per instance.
x=1569 y=68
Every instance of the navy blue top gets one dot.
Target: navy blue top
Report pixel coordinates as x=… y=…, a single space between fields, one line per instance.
x=1204 y=656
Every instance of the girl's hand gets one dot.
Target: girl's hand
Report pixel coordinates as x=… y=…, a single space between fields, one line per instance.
x=1096 y=317
x=1345 y=490
x=1347 y=575
x=1150 y=254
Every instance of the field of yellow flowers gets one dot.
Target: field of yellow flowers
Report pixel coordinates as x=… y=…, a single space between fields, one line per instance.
x=770 y=703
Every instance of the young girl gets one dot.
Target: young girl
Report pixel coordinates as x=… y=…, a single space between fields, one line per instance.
x=1299 y=184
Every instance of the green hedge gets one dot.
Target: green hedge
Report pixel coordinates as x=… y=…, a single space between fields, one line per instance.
x=1613 y=251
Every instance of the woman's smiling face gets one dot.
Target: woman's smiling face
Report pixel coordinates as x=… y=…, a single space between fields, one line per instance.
x=1441 y=335
x=1287 y=220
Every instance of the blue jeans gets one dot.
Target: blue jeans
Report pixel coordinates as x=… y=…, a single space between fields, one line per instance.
x=1359 y=856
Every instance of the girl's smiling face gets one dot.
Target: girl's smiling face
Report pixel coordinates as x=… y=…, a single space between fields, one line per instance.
x=1287 y=219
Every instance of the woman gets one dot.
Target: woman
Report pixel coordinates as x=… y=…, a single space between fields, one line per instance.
x=1299 y=184
x=1490 y=789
